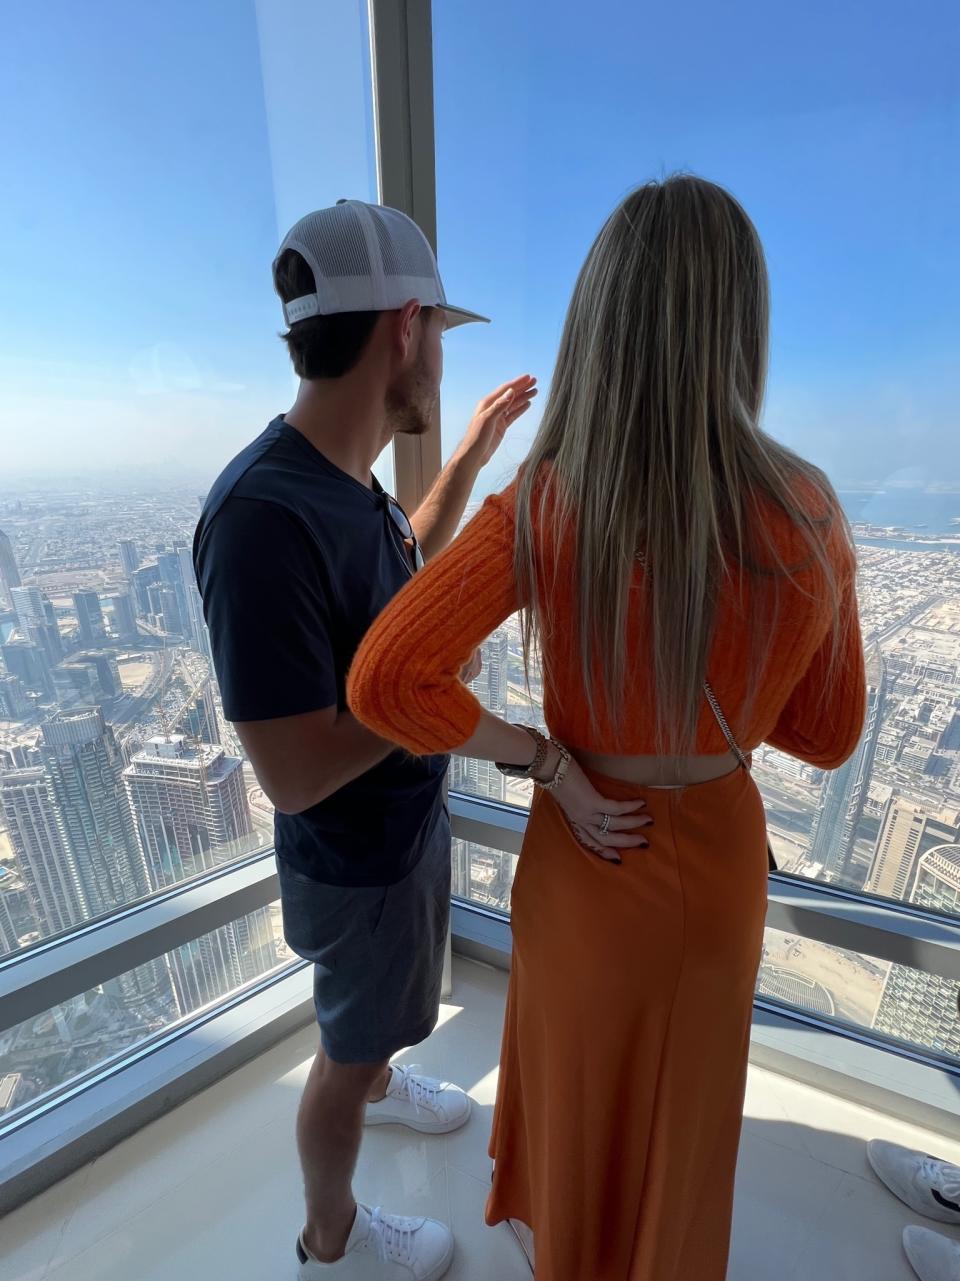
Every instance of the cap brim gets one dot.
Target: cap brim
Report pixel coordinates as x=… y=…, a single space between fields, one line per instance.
x=457 y=316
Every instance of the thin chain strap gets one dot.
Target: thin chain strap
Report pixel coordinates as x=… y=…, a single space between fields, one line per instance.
x=724 y=725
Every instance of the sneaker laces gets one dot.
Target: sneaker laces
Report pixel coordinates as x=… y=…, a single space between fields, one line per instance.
x=393 y=1236
x=942 y=1176
x=420 y=1090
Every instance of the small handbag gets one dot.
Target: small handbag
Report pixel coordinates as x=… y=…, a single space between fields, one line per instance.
x=736 y=749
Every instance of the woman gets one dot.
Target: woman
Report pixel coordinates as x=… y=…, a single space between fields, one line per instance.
x=656 y=539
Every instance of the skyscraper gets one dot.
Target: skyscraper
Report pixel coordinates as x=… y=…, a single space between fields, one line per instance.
x=190 y=806
x=14 y=704
x=833 y=840
x=30 y=664
x=124 y=618
x=192 y=814
x=171 y=574
x=89 y=617
x=916 y=1006
x=9 y=573
x=908 y=830
x=85 y=765
x=199 y=718
x=491 y=686
x=44 y=858
x=129 y=557
x=142 y=580
x=165 y=608
x=28 y=607
x=195 y=622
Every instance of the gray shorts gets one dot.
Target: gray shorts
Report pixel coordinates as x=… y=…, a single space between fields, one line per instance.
x=377 y=953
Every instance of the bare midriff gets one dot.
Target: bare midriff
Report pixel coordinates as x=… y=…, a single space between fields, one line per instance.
x=659 y=771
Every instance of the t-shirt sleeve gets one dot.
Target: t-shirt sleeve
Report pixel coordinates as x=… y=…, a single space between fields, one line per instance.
x=266 y=603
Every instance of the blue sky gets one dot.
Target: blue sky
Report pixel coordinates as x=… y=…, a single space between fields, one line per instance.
x=156 y=155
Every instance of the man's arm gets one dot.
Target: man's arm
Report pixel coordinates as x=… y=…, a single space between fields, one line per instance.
x=301 y=760
x=436 y=519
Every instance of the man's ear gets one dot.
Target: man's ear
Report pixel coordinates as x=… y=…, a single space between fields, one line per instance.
x=405 y=330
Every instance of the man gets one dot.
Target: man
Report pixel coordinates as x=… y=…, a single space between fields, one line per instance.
x=932 y=1188
x=297 y=551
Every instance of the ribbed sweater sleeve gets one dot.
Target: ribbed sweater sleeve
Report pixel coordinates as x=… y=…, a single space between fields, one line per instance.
x=405 y=680
x=822 y=720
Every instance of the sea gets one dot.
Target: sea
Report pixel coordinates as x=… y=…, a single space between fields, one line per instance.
x=923 y=514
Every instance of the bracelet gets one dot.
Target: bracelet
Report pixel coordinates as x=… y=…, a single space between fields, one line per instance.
x=560 y=772
x=527 y=771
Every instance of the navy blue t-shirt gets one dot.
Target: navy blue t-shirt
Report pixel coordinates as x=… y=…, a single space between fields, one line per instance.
x=294 y=560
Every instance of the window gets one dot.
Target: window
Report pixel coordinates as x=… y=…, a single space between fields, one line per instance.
x=839 y=146
x=152 y=168
x=65 y=1046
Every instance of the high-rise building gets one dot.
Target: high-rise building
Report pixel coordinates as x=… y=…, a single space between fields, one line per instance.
x=9 y=573
x=907 y=832
x=916 y=1006
x=191 y=808
x=171 y=574
x=14 y=704
x=30 y=664
x=44 y=857
x=165 y=608
x=89 y=617
x=460 y=868
x=477 y=778
x=491 y=686
x=223 y=960
x=199 y=718
x=141 y=581
x=17 y=917
x=834 y=835
x=85 y=765
x=129 y=557
x=124 y=618
x=28 y=607
x=190 y=805
x=195 y=622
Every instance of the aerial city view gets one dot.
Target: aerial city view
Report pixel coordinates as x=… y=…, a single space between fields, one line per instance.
x=119 y=777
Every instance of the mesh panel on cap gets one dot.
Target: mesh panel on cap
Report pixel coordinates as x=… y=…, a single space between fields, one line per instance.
x=335 y=241
x=402 y=246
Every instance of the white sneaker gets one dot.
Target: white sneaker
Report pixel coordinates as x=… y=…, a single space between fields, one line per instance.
x=384 y=1247
x=421 y=1103
x=922 y=1182
x=932 y=1256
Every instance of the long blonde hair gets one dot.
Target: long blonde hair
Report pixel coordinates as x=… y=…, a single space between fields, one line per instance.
x=650 y=446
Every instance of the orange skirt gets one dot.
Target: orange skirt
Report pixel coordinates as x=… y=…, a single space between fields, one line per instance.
x=627 y=1028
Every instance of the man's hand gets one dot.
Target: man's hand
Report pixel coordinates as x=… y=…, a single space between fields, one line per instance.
x=473 y=668
x=493 y=415
x=436 y=519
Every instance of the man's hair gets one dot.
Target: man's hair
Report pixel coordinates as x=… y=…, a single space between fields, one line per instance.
x=320 y=346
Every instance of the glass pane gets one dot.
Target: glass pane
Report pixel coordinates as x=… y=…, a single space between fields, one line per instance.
x=852 y=191
x=904 y=1004
x=483 y=876
x=138 y=354
x=91 y=1031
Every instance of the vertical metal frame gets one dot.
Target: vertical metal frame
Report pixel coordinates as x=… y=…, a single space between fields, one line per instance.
x=401 y=61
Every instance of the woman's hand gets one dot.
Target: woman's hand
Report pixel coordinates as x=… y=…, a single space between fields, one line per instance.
x=473 y=669
x=601 y=825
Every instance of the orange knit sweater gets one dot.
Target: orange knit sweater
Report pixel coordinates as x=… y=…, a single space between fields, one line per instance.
x=404 y=683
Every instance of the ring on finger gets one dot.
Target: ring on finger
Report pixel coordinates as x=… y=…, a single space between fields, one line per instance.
x=605 y=824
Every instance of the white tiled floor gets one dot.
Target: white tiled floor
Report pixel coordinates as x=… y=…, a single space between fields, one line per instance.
x=212 y=1190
